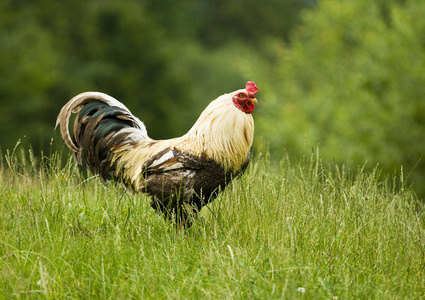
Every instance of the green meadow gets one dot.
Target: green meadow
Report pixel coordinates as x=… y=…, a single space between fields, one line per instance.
x=295 y=229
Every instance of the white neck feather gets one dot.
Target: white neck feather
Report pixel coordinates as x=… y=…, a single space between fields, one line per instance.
x=223 y=132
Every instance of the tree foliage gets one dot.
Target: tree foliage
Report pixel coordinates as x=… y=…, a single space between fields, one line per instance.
x=354 y=81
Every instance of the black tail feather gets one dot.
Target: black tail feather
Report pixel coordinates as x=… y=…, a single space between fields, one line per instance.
x=102 y=123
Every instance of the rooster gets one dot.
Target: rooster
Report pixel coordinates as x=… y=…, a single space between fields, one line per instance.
x=181 y=175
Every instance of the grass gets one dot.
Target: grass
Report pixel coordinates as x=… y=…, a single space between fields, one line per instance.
x=300 y=230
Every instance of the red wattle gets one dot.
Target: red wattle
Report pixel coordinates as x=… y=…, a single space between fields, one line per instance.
x=245 y=106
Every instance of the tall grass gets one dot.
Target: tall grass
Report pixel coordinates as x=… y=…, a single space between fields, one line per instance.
x=295 y=230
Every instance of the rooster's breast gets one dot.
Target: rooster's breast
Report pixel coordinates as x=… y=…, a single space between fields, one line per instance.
x=196 y=185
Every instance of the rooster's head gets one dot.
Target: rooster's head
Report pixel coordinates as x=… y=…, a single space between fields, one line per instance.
x=245 y=99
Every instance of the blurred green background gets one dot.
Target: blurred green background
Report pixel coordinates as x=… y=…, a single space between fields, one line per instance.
x=348 y=76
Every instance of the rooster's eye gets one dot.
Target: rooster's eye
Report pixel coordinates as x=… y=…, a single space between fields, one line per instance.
x=241 y=95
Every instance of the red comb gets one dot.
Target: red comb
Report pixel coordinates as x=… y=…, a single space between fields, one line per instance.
x=251 y=88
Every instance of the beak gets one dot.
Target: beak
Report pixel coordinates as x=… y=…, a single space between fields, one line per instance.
x=254 y=100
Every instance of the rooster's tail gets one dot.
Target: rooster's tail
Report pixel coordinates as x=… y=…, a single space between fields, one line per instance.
x=101 y=124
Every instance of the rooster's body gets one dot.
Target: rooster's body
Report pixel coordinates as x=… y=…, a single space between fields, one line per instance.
x=182 y=174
